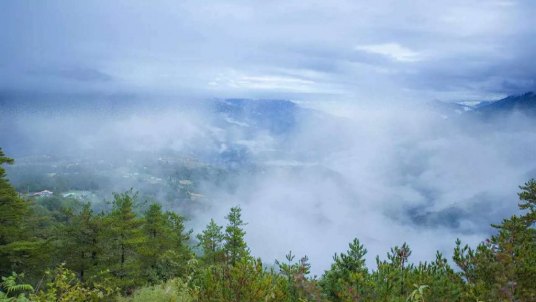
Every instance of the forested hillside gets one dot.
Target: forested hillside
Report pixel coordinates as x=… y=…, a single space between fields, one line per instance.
x=60 y=249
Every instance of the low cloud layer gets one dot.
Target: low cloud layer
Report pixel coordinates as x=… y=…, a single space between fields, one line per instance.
x=383 y=174
x=386 y=176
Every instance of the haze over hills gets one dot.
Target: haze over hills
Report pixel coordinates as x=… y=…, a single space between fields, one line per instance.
x=405 y=166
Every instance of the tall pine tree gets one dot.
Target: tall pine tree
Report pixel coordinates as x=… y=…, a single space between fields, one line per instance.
x=211 y=243
x=165 y=250
x=122 y=239
x=80 y=242
x=235 y=245
x=19 y=250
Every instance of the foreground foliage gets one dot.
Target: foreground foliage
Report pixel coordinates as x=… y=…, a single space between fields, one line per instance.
x=63 y=251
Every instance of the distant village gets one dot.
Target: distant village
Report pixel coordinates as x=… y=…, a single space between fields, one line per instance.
x=44 y=193
x=78 y=195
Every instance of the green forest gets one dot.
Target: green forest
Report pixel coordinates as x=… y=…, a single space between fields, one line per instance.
x=62 y=250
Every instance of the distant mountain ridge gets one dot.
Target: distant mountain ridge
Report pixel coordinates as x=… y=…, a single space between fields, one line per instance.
x=277 y=116
x=525 y=103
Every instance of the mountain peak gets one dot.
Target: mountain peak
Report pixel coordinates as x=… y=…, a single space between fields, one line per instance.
x=525 y=103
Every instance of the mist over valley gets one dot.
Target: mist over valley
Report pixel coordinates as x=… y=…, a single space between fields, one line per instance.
x=307 y=178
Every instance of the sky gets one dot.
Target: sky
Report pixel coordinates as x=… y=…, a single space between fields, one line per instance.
x=347 y=51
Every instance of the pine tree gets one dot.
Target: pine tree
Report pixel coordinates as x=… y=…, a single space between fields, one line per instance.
x=347 y=277
x=179 y=237
x=298 y=286
x=12 y=207
x=122 y=239
x=19 y=250
x=211 y=243
x=165 y=250
x=235 y=246
x=528 y=201
x=504 y=266
x=80 y=248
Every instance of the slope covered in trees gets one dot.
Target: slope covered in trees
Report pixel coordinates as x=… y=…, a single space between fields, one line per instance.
x=67 y=252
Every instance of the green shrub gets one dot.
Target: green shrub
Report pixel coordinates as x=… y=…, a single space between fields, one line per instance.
x=174 y=290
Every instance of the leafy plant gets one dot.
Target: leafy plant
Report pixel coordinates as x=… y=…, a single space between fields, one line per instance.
x=417 y=295
x=12 y=290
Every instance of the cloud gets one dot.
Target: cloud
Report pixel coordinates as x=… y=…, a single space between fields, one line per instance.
x=385 y=175
x=281 y=80
x=265 y=82
x=383 y=172
x=80 y=74
x=183 y=47
x=392 y=50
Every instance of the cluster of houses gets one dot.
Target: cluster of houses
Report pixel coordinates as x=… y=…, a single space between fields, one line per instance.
x=44 y=193
x=79 y=195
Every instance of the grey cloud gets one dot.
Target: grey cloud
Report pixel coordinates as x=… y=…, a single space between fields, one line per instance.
x=171 y=47
x=76 y=74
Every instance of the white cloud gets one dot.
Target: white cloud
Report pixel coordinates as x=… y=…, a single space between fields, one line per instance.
x=392 y=50
x=284 y=81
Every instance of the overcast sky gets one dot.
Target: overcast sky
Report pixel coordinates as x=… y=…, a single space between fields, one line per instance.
x=304 y=50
